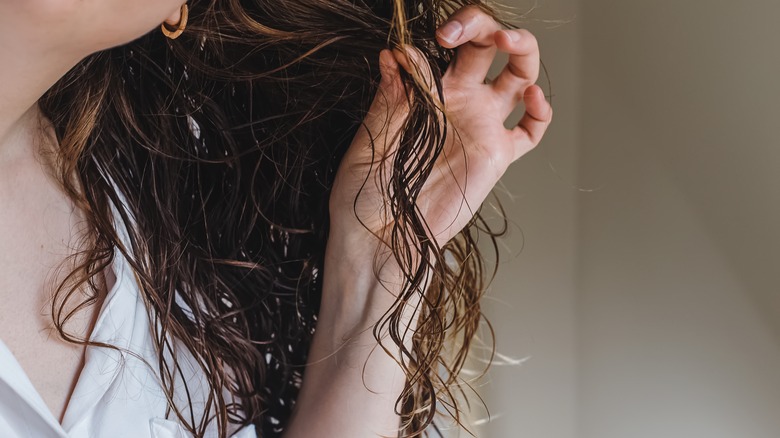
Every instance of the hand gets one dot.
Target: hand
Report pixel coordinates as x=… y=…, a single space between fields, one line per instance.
x=339 y=371
x=478 y=148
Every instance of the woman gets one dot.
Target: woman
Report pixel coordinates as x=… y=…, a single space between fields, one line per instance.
x=188 y=204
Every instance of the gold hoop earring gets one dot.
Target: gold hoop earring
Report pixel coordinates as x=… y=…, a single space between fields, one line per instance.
x=175 y=33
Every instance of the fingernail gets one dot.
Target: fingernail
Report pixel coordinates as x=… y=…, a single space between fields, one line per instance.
x=451 y=31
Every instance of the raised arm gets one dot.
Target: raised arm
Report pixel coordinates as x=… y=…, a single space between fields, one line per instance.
x=351 y=386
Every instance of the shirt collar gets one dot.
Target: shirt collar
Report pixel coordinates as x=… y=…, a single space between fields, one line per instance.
x=25 y=409
x=122 y=323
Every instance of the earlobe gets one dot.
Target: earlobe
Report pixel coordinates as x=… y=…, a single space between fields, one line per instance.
x=174 y=19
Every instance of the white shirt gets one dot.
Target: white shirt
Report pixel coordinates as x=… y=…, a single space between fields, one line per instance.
x=117 y=395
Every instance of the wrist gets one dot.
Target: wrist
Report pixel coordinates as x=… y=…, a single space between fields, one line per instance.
x=361 y=283
x=345 y=362
x=360 y=278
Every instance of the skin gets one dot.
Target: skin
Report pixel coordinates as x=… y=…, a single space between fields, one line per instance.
x=40 y=221
x=40 y=40
x=353 y=298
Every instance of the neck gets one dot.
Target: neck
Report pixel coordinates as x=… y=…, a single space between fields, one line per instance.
x=25 y=76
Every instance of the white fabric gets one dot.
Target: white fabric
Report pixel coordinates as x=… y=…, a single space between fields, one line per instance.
x=117 y=395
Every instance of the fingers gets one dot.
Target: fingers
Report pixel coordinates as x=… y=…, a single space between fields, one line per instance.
x=538 y=115
x=472 y=29
x=414 y=62
x=522 y=68
x=389 y=69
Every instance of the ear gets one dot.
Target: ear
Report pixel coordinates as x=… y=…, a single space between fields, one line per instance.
x=175 y=17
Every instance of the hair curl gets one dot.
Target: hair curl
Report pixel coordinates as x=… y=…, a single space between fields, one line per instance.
x=225 y=144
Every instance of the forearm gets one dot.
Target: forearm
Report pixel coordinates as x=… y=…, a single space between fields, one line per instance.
x=351 y=384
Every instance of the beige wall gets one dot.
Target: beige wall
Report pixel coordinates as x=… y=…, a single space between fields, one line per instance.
x=678 y=283
x=531 y=303
x=649 y=307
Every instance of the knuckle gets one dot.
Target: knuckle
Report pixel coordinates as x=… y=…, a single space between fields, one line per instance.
x=475 y=20
x=469 y=11
x=529 y=38
x=418 y=62
x=527 y=44
x=518 y=72
x=474 y=17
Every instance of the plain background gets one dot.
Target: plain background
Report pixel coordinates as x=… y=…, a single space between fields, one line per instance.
x=641 y=276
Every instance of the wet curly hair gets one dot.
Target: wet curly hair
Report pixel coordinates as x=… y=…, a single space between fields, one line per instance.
x=225 y=143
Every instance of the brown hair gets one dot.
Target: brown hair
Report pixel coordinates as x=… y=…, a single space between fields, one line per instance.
x=225 y=143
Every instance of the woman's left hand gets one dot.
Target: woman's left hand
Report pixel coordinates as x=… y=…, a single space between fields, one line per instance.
x=478 y=148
